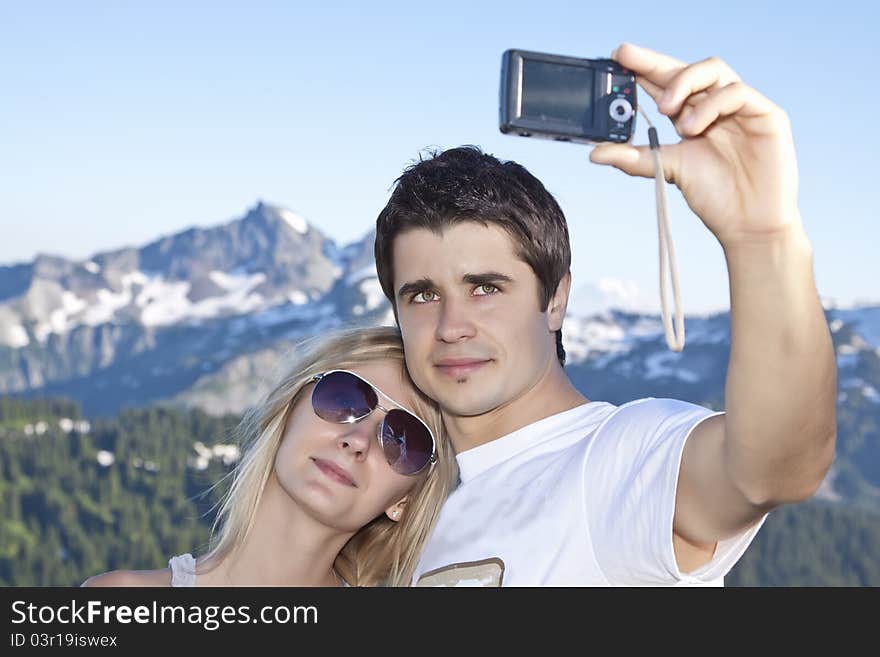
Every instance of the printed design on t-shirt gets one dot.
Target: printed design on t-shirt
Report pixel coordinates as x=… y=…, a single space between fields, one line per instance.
x=488 y=572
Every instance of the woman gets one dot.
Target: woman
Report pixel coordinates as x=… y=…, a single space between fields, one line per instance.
x=341 y=478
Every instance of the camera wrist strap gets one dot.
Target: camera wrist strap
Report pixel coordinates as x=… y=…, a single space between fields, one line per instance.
x=674 y=339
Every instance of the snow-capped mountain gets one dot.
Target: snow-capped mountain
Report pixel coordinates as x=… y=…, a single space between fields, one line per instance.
x=206 y=317
x=269 y=257
x=134 y=326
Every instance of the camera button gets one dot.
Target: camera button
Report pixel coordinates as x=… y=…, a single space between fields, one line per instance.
x=620 y=110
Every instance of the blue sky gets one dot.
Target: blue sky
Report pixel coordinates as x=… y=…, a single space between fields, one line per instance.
x=122 y=122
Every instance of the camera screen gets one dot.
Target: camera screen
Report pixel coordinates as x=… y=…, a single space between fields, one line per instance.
x=558 y=92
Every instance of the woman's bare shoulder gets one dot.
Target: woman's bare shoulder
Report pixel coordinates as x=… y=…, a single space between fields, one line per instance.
x=134 y=578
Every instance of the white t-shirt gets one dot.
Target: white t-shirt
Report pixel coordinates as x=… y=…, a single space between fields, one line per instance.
x=581 y=498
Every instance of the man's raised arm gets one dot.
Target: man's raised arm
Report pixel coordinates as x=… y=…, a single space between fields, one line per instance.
x=737 y=170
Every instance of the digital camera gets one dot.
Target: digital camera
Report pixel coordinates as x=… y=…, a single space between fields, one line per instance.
x=566 y=98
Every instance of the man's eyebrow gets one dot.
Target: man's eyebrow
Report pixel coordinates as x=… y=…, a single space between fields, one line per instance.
x=486 y=278
x=415 y=286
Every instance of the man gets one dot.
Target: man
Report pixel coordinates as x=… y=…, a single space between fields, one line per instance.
x=556 y=489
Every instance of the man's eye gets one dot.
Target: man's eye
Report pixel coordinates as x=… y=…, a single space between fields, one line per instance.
x=425 y=296
x=485 y=289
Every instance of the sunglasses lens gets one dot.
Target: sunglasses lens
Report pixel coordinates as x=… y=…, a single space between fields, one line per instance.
x=406 y=442
x=343 y=397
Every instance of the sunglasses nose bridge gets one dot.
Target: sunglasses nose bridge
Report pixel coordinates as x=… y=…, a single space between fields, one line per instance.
x=379 y=407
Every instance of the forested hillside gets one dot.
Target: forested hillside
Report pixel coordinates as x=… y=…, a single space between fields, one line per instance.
x=80 y=497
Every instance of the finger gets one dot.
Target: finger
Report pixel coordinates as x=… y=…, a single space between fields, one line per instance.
x=655 y=67
x=656 y=92
x=636 y=160
x=736 y=98
x=708 y=74
x=653 y=90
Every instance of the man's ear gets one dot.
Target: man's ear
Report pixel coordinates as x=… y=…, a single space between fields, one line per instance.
x=395 y=511
x=558 y=303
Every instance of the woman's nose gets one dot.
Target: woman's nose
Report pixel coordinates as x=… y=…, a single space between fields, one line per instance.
x=357 y=437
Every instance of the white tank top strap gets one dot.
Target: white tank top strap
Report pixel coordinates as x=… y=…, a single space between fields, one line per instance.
x=183 y=570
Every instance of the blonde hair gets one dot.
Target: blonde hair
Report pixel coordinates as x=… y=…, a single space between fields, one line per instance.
x=383 y=552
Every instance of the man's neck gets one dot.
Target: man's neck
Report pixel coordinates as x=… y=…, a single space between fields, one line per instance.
x=552 y=394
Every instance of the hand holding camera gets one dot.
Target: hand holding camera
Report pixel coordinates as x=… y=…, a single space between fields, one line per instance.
x=736 y=163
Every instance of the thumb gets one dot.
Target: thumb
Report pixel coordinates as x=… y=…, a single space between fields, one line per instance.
x=636 y=160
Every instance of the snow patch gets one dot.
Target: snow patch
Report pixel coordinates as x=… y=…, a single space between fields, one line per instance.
x=14 y=335
x=372 y=291
x=298 y=297
x=163 y=303
x=293 y=220
x=67 y=425
x=36 y=429
x=826 y=488
x=72 y=304
x=604 y=334
x=237 y=281
x=167 y=303
x=159 y=303
x=106 y=306
x=864 y=321
x=228 y=454
x=136 y=278
x=360 y=274
x=580 y=337
x=663 y=365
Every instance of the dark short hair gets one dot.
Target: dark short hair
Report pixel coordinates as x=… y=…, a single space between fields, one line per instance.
x=466 y=184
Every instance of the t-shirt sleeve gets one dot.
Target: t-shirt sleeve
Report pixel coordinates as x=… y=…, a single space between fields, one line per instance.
x=630 y=482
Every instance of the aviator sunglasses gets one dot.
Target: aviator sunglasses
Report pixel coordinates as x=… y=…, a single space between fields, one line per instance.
x=343 y=397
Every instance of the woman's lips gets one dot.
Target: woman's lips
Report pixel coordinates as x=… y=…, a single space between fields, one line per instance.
x=458 y=366
x=335 y=472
